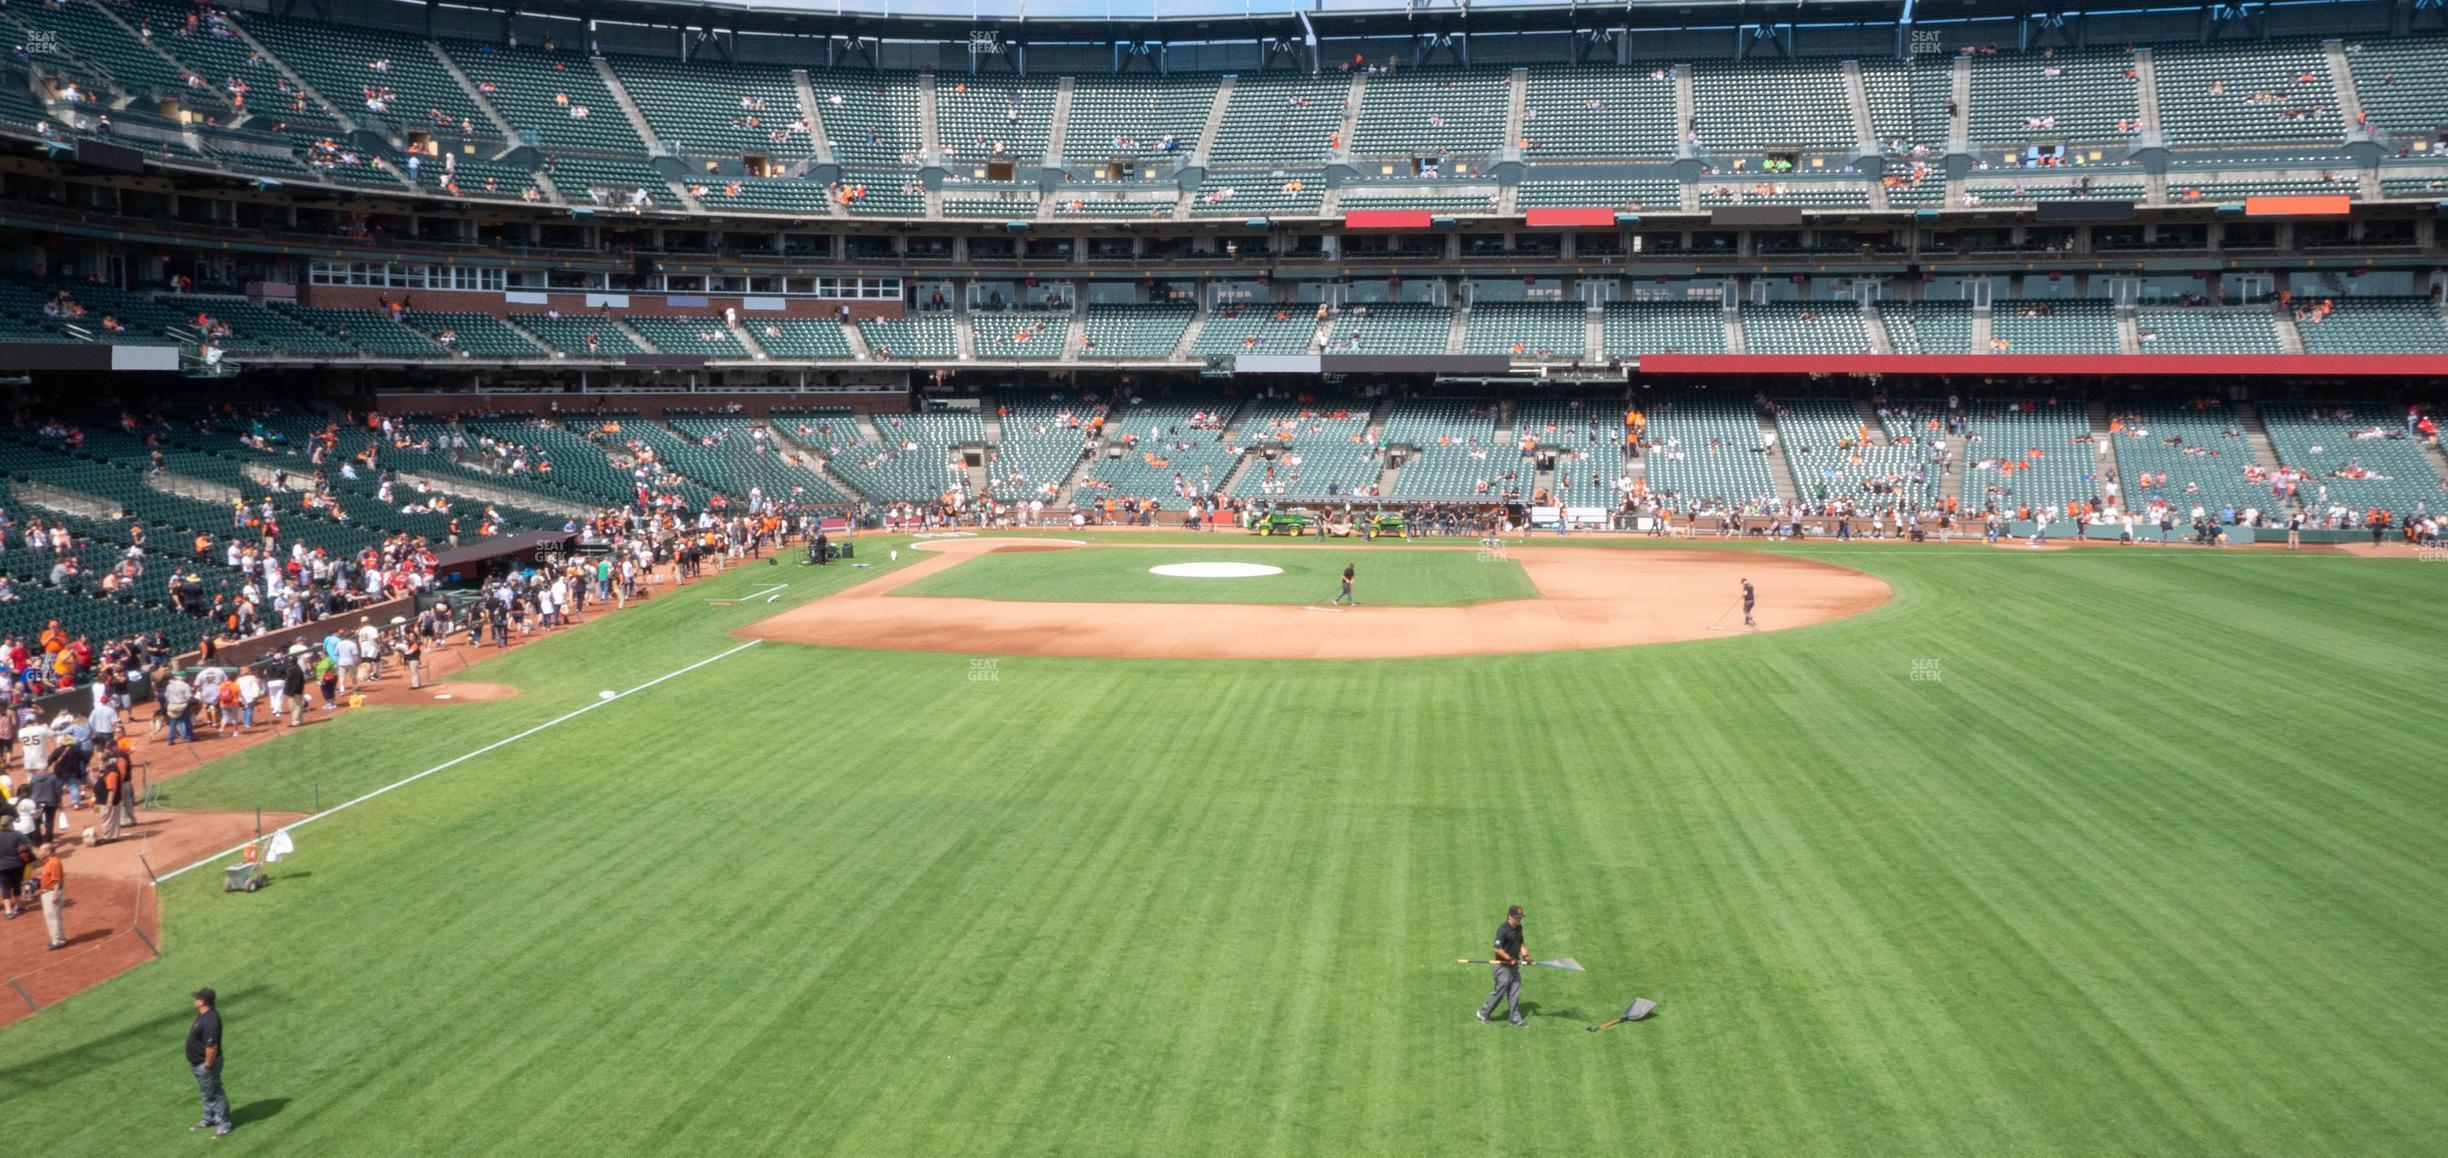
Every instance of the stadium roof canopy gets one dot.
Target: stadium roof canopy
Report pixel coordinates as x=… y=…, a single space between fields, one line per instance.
x=1184 y=21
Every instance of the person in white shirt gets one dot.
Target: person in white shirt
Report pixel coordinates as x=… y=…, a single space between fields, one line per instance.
x=369 y=652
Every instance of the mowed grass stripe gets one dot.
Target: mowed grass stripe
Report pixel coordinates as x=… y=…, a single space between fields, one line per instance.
x=2100 y=888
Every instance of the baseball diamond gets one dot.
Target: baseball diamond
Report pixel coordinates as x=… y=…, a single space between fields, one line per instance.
x=824 y=577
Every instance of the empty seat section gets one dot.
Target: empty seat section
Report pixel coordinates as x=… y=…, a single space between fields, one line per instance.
x=1544 y=331
x=2359 y=454
x=2202 y=330
x=2402 y=82
x=2053 y=326
x=2187 y=455
x=1833 y=327
x=2233 y=93
x=1761 y=106
x=717 y=110
x=732 y=453
x=579 y=335
x=1655 y=195
x=1163 y=451
x=703 y=334
x=1908 y=100
x=1043 y=441
x=1928 y=327
x=1664 y=327
x=610 y=181
x=368 y=331
x=1020 y=336
x=1134 y=331
x=915 y=461
x=2028 y=453
x=1706 y=452
x=924 y=336
x=556 y=96
x=1432 y=112
x=1126 y=117
x=1838 y=454
x=981 y=118
x=1279 y=118
x=801 y=338
x=473 y=335
x=1257 y=328
x=1322 y=450
x=2072 y=96
x=872 y=118
x=1389 y=328
x=2392 y=325
x=1251 y=193
x=367 y=73
x=1598 y=112
x=1454 y=453
x=1588 y=440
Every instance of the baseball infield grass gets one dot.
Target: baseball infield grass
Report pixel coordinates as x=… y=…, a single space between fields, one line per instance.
x=1385 y=575
x=2074 y=853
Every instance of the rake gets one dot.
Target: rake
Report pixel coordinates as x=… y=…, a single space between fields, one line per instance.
x=1551 y=963
x=1639 y=1009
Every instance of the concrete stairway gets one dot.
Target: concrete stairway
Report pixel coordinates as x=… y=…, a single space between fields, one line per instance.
x=623 y=326
x=1593 y=337
x=1733 y=334
x=1687 y=106
x=746 y=340
x=2256 y=434
x=1215 y=122
x=1453 y=332
x=2341 y=77
x=1984 y=330
x=1778 y=468
x=930 y=142
x=1959 y=90
x=2129 y=331
x=813 y=109
x=338 y=115
x=528 y=334
x=811 y=455
x=1351 y=113
x=1875 y=324
x=1058 y=130
x=1857 y=97
x=2290 y=338
x=629 y=107
x=493 y=115
x=2146 y=93
x=1517 y=112
x=1190 y=333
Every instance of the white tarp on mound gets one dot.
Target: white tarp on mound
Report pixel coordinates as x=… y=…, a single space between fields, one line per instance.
x=1215 y=570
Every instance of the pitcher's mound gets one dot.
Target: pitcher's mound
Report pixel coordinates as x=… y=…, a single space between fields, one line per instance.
x=469 y=693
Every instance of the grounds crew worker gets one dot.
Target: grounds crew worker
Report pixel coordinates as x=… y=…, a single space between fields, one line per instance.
x=1510 y=957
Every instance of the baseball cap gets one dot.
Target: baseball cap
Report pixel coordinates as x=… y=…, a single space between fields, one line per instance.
x=207 y=996
x=1514 y=911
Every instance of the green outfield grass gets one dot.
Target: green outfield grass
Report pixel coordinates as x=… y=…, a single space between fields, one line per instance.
x=2088 y=852
x=1386 y=575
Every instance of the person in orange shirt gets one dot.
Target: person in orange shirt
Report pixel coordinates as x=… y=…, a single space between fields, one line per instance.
x=51 y=882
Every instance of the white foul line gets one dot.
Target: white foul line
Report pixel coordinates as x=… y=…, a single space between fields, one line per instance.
x=750 y=595
x=457 y=760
